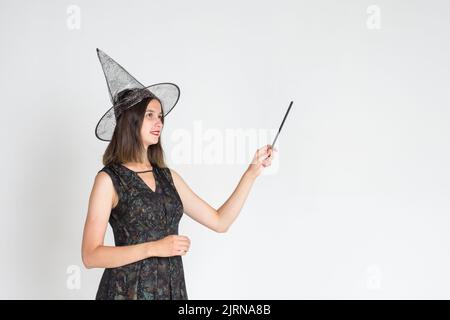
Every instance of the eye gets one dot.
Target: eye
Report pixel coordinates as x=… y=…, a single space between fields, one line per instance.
x=150 y=114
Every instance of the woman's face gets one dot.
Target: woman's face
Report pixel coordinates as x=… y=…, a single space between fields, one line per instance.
x=152 y=124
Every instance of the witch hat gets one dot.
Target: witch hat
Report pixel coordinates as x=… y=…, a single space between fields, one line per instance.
x=125 y=91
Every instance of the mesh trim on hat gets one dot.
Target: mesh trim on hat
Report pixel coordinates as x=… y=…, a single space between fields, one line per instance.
x=125 y=91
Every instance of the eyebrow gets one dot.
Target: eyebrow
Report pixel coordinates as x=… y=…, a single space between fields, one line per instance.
x=150 y=110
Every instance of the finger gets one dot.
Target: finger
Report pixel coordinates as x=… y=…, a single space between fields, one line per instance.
x=181 y=251
x=263 y=153
x=183 y=242
x=267 y=163
x=260 y=153
x=183 y=245
x=264 y=148
x=263 y=158
x=258 y=159
x=271 y=148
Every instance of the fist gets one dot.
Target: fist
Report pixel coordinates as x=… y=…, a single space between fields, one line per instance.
x=172 y=245
x=262 y=159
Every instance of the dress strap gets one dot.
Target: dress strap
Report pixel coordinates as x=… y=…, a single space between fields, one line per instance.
x=143 y=171
x=167 y=176
x=118 y=181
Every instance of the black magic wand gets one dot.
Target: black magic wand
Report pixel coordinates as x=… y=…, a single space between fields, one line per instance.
x=281 y=126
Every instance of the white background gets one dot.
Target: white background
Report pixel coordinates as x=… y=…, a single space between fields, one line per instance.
x=357 y=205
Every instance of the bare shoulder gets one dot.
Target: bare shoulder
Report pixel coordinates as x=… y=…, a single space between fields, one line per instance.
x=177 y=179
x=103 y=186
x=174 y=174
x=103 y=180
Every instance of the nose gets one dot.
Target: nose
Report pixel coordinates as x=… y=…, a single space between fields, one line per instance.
x=159 y=124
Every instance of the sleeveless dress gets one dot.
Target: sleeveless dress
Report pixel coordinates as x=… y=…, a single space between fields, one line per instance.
x=143 y=215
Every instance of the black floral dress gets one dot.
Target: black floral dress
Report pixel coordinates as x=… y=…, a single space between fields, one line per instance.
x=144 y=215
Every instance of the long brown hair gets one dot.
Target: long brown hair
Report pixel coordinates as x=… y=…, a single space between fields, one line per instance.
x=126 y=143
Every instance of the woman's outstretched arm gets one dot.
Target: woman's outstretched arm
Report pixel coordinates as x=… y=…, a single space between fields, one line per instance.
x=221 y=219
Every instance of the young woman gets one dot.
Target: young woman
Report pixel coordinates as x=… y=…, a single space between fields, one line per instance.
x=143 y=200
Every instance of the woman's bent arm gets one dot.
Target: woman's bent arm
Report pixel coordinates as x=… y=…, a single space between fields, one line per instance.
x=113 y=257
x=94 y=253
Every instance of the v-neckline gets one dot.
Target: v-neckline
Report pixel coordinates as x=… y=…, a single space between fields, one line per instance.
x=142 y=180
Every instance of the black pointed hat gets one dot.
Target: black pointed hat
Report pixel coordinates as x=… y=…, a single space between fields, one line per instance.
x=125 y=91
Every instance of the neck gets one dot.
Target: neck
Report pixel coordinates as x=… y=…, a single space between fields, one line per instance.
x=143 y=165
x=144 y=160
